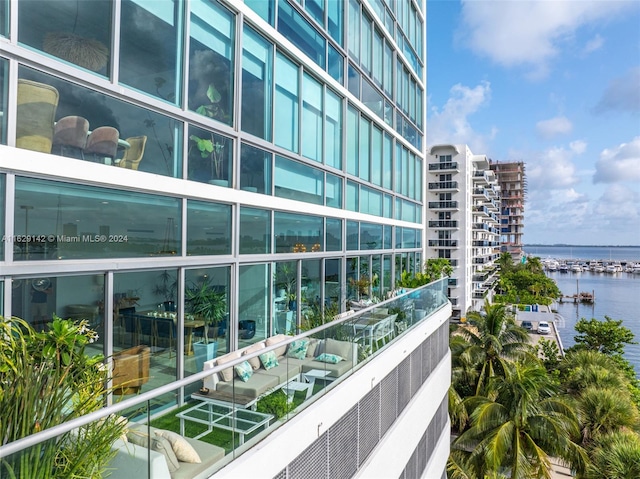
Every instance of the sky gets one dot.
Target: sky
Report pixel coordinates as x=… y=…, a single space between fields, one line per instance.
x=555 y=84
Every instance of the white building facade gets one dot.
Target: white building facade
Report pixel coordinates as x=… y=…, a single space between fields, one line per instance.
x=462 y=220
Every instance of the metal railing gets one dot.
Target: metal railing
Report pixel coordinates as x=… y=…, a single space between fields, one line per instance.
x=407 y=310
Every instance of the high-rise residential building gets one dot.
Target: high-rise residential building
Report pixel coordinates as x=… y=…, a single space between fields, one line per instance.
x=513 y=184
x=265 y=154
x=462 y=219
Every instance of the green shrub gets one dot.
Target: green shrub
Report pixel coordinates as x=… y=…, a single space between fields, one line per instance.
x=275 y=403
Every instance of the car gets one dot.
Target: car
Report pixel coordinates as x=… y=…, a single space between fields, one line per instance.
x=527 y=325
x=543 y=327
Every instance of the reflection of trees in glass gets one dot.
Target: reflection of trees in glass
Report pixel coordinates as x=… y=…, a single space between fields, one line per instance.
x=210 y=86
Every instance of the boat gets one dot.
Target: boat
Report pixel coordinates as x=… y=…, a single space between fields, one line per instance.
x=563 y=268
x=576 y=268
x=612 y=268
x=636 y=268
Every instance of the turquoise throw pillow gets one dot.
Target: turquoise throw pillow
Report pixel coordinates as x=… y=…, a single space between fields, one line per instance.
x=268 y=360
x=329 y=358
x=244 y=371
x=298 y=349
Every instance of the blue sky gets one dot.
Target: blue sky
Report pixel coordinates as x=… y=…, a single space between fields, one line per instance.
x=555 y=84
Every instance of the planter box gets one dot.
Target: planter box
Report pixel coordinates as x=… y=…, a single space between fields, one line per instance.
x=204 y=352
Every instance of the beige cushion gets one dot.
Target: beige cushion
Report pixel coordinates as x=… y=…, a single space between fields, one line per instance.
x=311 y=350
x=341 y=348
x=183 y=450
x=139 y=437
x=227 y=374
x=255 y=362
x=278 y=338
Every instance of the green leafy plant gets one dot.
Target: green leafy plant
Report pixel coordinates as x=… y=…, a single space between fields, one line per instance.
x=275 y=403
x=207 y=304
x=212 y=150
x=166 y=287
x=47 y=379
x=213 y=109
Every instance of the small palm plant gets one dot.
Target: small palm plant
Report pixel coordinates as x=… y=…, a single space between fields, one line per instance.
x=207 y=304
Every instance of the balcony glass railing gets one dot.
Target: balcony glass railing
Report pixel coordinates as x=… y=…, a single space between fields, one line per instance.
x=233 y=415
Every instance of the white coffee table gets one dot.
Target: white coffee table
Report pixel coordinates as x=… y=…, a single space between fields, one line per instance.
x=313 y=374
x=291 y=387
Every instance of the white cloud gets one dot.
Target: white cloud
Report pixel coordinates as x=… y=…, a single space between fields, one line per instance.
x=594 y=44
x=451 y=125
x=622 y=93
x=578 y=147
x=552 y=127
x=621 y=163
x=529 y=33
x=553 y=169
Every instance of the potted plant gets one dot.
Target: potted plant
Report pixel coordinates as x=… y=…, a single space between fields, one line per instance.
x=286 y=280
x=214 y=151
x=166 y=288
x=208 y=305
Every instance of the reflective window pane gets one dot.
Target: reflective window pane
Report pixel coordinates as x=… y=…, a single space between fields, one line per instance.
x=255 y=170
x=312 y=118
x=4 y=92
x=210 y=157
x=150 y=43
x=253 y=303
x=334 y=234
x=255 y=231
x=296 y=233
x=264 y=8
x=286 y=104
x=208 y=228
x=352 y=196
x=353 y=235
x=363 y=151
x=256 y=84
x=333 y=130
x=147 y=140
x=335 y=68
x=352 y=141
x=75 y=221
x=334 y=19
x=73 y=31
x=301 y=33
x=299 y=182
x=211 y=60
x=333 y=191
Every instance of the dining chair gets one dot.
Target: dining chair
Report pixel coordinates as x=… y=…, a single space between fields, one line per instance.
x=37 y=105
x=102 y=144
x=70 y=136
x=133 y=155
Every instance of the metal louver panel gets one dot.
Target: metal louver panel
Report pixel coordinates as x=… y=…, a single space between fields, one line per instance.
x=388 y=401
x=343 y=446
x=369 y=423
x=312 y=463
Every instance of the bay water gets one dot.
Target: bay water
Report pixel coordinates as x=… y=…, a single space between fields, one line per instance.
x=616 y=295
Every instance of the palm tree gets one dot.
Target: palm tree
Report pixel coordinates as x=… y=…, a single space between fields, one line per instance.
x=516 y=427
x=604 y=411
x=493 y=338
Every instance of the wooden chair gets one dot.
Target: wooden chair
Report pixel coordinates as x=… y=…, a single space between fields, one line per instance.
x=37 y=105
x=133 y=155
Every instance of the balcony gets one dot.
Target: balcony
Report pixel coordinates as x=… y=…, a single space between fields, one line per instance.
x=443 y=185
x=443 y=243
x=443 y=205
x=391 y=367
x=450 y=165
x=443 y=224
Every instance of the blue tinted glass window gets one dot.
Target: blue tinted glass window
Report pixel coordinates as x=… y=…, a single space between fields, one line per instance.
x=287 y=106
x=352 y=141
x=150 y=56
x=334 y=234
x=256 y=84
x=297 y=233
x=336 y=65
x=255 y=231
x=354 y=29
x=315 y=8
x=353 y=235
x=352 y=196
x=333 y=130
x=363 y=152
x=299 y=182
x=370 y=236
x=334 y=191
x=376 y=156
x=255 y=170
x=334 y=19
x=208 y=228
x=211 y=61
x=312 y=118
x=300 y=32
x=264 y=8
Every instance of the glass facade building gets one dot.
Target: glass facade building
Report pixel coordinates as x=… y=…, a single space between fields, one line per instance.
x=271 y=150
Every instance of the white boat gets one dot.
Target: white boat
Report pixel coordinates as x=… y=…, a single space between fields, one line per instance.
x=612 y=268
x=563 y=268
x=636 y=268
x=576 y=268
